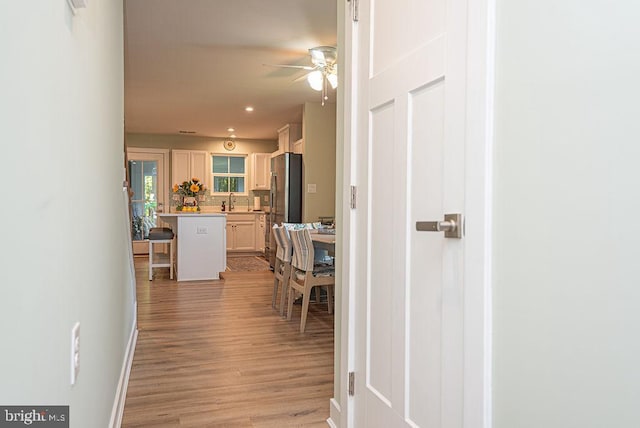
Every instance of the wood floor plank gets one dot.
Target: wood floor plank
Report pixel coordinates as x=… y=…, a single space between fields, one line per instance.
x=216 y=354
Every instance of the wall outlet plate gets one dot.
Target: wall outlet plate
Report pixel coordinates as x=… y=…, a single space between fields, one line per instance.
x=75 y=352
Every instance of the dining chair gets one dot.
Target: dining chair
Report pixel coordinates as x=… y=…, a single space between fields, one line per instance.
x=282 y=268
x=305 y=275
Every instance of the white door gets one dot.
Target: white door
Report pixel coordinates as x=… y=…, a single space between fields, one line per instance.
x=147 y=177
x=411 y=129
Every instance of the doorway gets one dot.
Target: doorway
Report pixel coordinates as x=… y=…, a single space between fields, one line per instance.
x=146 y=169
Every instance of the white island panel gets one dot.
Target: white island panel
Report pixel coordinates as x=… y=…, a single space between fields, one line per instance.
x=201 y=245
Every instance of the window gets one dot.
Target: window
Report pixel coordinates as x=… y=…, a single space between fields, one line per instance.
x=229 y=174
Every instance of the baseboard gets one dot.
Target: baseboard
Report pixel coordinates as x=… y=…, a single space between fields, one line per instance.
x=334 y=413
x=121 y=391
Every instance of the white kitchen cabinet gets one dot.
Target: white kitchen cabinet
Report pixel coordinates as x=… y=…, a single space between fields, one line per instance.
x=260 y=171
x=186 y=164
x=241 y=232
x=287 y=136
x=298 y=146
x=260 y=225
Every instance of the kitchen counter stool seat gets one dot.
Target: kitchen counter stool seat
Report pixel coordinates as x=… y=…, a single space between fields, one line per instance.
x=160 y=235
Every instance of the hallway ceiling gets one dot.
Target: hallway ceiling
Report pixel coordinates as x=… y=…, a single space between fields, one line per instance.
x=195 y=65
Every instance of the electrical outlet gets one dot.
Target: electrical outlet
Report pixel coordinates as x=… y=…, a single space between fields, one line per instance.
x=311 y=188
x=75 y=352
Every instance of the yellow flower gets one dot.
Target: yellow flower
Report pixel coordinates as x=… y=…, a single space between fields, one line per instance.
x=194 y=188
x=194 y=179
x=175 y=188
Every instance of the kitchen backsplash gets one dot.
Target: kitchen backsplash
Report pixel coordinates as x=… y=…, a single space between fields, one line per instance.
x=241 y=202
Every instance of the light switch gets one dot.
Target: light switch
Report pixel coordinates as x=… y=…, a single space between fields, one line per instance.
x=202 y=230
x=311 y=188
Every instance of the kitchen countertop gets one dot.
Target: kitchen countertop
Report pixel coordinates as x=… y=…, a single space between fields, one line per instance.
x=233 y=212
x=186 y=214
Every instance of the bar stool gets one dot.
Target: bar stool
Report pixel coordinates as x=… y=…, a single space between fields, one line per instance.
x=160 y=235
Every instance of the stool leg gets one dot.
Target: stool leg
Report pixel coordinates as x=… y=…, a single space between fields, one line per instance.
x=171 y=259
x=150 y=260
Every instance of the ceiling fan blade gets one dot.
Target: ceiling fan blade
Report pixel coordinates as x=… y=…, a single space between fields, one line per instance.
x=303 y=77
x=302 y=67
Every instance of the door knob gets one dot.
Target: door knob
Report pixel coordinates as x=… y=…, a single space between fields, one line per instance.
x=452 y=226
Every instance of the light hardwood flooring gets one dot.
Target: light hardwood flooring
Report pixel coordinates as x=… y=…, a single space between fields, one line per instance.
x=215 y=354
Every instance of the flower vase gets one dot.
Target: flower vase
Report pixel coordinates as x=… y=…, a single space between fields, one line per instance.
x=190 y=204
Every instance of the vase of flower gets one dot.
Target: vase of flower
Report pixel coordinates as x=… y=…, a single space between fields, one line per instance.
x=190 y=194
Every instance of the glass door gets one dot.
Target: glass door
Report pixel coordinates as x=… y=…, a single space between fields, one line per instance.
x=147 y=182
x=143 y=175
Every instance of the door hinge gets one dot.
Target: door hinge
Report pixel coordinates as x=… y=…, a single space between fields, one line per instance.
x=352 y=383
x=354 y=194
x=354 y=10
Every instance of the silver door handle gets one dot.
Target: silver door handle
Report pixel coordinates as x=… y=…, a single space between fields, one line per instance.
x=452 y=226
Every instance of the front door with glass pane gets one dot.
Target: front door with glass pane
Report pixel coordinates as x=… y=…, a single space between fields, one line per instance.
x=146 y=177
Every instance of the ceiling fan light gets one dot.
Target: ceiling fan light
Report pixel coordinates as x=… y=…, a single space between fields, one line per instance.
x=315 y=80
x=317 y=56
x=333 y=80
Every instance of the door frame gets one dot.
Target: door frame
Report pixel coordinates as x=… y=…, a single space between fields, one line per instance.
x=140 y=247
x=478 y=212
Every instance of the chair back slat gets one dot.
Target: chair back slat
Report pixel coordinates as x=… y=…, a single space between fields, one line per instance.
x=279 y=244
x=287 y=247
x=302 y=250
x=284 y=248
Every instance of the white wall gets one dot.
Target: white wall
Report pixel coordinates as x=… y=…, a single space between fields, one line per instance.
x=567 y=275
x=63 y=254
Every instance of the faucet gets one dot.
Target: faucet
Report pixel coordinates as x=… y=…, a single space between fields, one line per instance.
x=231 y=202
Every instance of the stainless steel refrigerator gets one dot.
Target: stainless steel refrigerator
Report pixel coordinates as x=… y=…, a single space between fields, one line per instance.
x=285 y=197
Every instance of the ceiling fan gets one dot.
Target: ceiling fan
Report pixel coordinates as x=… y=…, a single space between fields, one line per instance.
x=324 y=71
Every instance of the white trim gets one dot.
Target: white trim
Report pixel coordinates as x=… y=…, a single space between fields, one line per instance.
x=121 y=392
x=478 y=210
x=342 y=405
x=334 y=413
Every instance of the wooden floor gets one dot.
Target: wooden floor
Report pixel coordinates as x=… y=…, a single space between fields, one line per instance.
x=215 y=354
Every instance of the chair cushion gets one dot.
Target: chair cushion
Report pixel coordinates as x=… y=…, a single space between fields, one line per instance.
x=158 y=233
x=320 y=271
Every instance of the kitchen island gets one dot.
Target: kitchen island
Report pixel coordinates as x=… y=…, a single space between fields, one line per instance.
x=201 y=242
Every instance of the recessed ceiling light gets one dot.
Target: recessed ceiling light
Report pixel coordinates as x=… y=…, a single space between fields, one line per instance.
x=249 y=109
x=232 y=135
x=230 y=129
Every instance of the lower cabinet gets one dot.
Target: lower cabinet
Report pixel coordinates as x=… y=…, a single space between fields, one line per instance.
x=241 y=232
x=260 y=236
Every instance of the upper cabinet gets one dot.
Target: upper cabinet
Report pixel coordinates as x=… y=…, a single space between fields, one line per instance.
x=186 y=164
x=260 y=171
x=298 y=146
x=287 y=136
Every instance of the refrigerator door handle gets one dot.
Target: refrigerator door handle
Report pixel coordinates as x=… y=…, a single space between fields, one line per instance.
x=274 y=192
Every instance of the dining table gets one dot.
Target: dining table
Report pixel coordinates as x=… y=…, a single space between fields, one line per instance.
x=324 y=241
